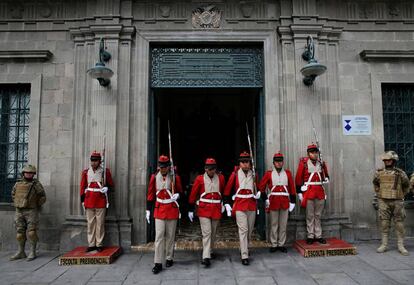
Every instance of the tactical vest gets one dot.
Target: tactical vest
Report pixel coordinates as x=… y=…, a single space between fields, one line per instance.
x=25 y=195
x=390 y=185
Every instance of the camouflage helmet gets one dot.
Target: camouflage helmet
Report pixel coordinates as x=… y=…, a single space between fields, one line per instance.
x=29 y=168
x=390 y=155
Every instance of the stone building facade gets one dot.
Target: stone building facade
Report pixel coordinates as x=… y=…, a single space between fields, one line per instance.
x=50 y=45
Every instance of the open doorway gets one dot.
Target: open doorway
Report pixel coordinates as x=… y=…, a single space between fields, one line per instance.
x=205 y=122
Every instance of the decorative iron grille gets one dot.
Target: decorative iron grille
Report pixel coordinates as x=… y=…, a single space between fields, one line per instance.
x=14 y=135
x=398 y=112
x=206 y=67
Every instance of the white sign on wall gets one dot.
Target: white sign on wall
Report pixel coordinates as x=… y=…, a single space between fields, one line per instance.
x=356 y=125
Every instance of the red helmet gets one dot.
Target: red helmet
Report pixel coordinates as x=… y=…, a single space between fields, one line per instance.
x=312 y=147
x=245 y=156
x=278 y=156
x=164 y=161
x=210 y=163
x=96 y=155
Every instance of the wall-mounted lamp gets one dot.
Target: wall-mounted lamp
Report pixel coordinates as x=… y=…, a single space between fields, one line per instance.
x=312 y=68
x=100 y=71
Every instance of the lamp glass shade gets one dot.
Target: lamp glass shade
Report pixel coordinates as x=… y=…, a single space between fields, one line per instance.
x=313 y=68
x=100 y=71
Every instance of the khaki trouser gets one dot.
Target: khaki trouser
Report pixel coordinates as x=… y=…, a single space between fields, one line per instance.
x=164 y=239
x=278 y=222
x=245 y=223
x=208 y=230
x=314 y=210
x=96 y=226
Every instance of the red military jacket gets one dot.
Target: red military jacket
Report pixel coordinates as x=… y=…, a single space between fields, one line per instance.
x=162 y=211
x=240 y=204
x=94 y=199
x=302 y=176
x=278 y=202
x=206 y=209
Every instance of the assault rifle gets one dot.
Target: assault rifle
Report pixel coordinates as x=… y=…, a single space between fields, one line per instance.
x=171 y=159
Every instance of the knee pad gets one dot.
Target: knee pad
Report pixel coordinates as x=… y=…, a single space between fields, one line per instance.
x=20 y=236
x=32 y=235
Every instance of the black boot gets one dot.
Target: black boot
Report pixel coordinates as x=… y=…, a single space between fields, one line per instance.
x=273 y=249
x=283 y=249
x=169 y=263
x=157 y=268
x=100 y=248
x=309 y=240
x=90 y=248
x=321 y=240
x=245 y=261
x=206 y=262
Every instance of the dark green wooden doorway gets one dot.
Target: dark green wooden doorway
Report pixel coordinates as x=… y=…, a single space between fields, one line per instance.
x=207 y=116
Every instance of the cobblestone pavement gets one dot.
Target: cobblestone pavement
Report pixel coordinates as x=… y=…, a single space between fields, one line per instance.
x=367 y=267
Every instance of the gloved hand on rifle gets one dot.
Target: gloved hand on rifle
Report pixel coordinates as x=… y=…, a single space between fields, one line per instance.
x=228 y=209
x=104 y=190
x=257 y=196
x=191 y=216
x=175 y=197
x=300 y=196
x=148 y=215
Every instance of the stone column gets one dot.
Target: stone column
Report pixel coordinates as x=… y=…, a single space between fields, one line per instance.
x=315 y=106
x=101 y=114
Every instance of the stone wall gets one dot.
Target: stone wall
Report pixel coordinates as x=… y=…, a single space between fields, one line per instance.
x=70 y=111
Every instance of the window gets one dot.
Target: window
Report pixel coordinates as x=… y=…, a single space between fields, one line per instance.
x=14 y=135
x=398 y=112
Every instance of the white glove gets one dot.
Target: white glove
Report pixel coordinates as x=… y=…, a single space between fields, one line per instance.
x=228 y=209
x=147 y=215
x=83 y=206
x=222 y=208
x=175 y=197
x=267 y=203
x=326 y=181
x=191 y=216
x=304 y=188
x=291 y=207
x=104 y=190
x=257 y=196
x=300 y=197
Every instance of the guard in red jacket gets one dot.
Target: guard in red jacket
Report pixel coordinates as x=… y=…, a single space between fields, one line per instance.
x=311 y=176
x=278 y=186
x=94 y=198
x=165 y=194
x=207 y=194
x=242 y=184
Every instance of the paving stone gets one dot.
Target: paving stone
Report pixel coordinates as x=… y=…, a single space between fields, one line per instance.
x=333 y=278
x=364 y=273
x=256 y=280
x=291 y=274
x=76 y=275
x=401 y=276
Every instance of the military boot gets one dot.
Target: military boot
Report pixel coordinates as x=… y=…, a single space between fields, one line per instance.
x=399 y=226
x=384 y=243
x=385 y=227
x=32 y=253
x=20 y=252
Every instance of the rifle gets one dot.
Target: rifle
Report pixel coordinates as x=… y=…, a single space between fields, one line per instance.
x=171 y=159
x=251 y=155
x=319 y=148
x=104 y=169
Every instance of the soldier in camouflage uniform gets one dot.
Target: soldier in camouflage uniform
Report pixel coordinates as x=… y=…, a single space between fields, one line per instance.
x=28 y=196
x=391 y=184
